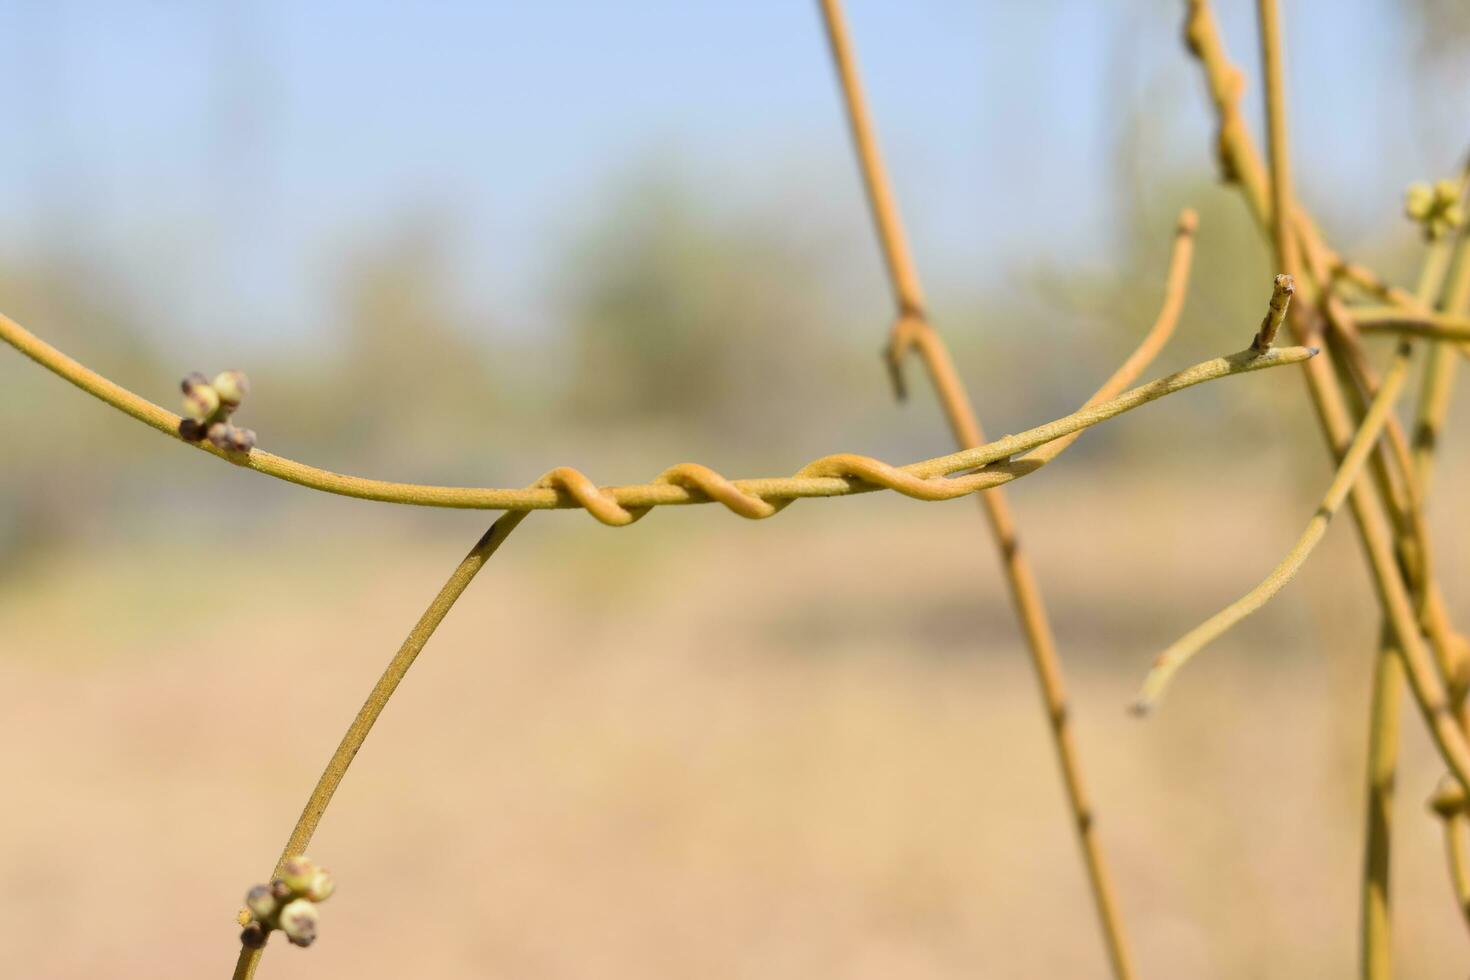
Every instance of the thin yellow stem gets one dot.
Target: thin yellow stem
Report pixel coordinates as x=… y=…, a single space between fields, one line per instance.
x=377 y=700
x=1459 y=861
x=908 y=294
x=1237 y=152
x=1282 y=209
x=1434 y=326
x=1439 y=379
x=1449 y=804
x=1176 y=285
x=830 y=476
x=1383 y=752
x=1183 y=650
x=1376 y=925
x=913 y=331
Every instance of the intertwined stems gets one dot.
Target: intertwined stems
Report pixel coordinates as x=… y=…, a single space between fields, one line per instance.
x=1373 y=513
x=913 y=330
x=1433 y=408
x=829 y=476
x=688 y=483
x=377 y=700
x=1375 y=895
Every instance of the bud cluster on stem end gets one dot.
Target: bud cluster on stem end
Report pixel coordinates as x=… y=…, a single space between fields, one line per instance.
x=208 y=406
x=1437 y=208
x=288 y=903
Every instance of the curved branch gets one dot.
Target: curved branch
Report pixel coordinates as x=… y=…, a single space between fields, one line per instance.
x=1180 y=653
x=830 y=476
x=377 y=700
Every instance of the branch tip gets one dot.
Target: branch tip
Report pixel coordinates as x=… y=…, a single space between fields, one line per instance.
x=1281 y=292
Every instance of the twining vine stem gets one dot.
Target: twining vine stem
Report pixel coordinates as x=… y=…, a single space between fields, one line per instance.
x=689 y=483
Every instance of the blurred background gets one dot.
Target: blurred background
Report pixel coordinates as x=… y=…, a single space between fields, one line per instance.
x=464 y=243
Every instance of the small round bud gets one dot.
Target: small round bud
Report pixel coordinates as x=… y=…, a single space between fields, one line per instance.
x=280 y=889
x=1449 y=798
x=298 y=922
x=297 y=873
x=321 y=886
x=1446 y=192
x=1419 y=201
x=232 y=386
x=191 y=381
x=200 y=402
x=253 y=936
x=1454 y=215
x=261 y=901
x=241 y=439
x=219 y=435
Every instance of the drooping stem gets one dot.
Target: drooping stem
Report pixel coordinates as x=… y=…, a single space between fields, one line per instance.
x=377 y=700
x=1183 y=650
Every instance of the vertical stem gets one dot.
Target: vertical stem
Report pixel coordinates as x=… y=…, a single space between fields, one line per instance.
x=1383 y=748
x=377 y=700
x=905 y=277
x=1439 y=371
x=1388 y=680
x=1458 y=861
x=913 y=328
x=1282 y=208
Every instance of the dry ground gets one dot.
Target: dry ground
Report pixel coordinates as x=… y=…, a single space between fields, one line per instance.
x=702 y=748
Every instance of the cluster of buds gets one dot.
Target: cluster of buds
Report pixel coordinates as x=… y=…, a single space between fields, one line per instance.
x=208 y=406
x=1437 y=208
x=288 y=903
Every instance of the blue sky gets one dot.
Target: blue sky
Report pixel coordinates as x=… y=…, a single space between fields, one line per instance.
x=219 y=155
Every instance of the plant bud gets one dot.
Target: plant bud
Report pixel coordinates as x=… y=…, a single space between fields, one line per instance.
x=232 y=386
x=298 y=872
x=298 y=922
x=200 y=401
x=261 y=901
x=253 y=936
x=219 y=435
x=241 y=439
x=1419 y=201
x=1449 y=798
x=280 y=889
x=321 y=887
x=1446 y=192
